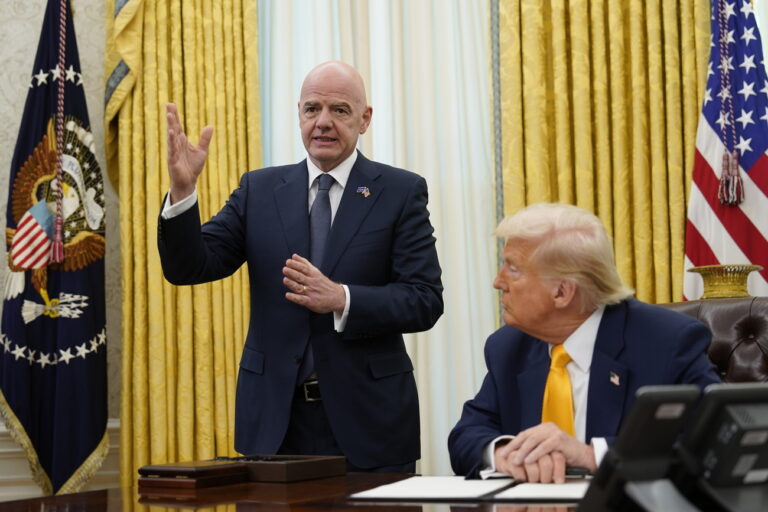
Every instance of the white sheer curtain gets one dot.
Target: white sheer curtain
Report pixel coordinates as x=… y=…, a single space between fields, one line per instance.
x=426 y=65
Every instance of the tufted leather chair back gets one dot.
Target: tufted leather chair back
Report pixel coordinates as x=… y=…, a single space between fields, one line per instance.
x=739 y=328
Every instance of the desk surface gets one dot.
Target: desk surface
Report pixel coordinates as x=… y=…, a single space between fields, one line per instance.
x=312 y=495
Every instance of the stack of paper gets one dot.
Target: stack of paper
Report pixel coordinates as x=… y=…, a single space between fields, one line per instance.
x=571 y=490
x=456 y=488
x=443 y=488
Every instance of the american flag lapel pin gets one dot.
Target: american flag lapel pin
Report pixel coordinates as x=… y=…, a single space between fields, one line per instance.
x=615 y=379
x=363 y=191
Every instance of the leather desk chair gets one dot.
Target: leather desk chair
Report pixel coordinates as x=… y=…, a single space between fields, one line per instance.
x=739 y=328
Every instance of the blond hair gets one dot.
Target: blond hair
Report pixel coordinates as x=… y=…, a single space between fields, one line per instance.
x=568 y=243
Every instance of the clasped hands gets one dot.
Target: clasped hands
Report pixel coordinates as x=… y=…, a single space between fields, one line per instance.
x=308 y=287
x=541 y=454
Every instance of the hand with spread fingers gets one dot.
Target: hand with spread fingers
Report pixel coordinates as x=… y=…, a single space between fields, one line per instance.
x=308 y=287
x=541 y=454
x=185 y=160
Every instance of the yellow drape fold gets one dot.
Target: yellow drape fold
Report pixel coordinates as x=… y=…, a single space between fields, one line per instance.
x=600 y=101
x=181 y=345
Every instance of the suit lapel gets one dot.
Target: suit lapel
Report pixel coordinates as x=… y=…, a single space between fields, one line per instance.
x=353 y=209
x=608 y=378
x=291 y=199
x=531 y=385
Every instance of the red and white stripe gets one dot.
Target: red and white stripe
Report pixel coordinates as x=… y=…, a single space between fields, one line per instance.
x=30 y=245
x=722 y=234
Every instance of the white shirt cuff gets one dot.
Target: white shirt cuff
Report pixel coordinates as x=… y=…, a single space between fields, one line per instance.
x=489 y=470
x=600 y=447
x=173 y=210
x=340 y=319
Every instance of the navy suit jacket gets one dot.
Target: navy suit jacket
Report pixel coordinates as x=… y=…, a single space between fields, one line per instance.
x=640 y=343
x=380 y=245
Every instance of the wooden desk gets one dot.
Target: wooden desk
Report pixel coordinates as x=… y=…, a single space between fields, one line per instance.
x=324 y=494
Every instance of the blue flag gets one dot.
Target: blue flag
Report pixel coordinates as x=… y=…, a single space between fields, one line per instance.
x=53 y=339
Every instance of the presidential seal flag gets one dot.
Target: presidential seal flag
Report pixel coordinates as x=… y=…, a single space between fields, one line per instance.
x=53 y=339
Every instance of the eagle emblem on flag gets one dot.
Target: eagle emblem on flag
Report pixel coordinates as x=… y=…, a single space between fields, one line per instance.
x=33 y=203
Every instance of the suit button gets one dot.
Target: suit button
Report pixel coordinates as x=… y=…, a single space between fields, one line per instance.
x=297 y=359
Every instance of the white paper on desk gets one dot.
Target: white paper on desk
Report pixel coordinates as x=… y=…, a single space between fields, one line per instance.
x=571 y=490
x=433 y=488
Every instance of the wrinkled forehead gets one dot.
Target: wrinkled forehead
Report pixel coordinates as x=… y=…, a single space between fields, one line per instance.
x=331 y=84
x=324 y=95
x=520 y=244
x=517 y=250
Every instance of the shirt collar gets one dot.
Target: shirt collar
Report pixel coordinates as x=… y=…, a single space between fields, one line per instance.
x=340 y=173
x=581 y=343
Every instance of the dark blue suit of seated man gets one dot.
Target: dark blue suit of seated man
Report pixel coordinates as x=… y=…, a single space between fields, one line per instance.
x=562 y=294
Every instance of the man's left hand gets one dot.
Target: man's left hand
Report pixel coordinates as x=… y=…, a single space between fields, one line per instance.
x=308 y=287
x=542 y=441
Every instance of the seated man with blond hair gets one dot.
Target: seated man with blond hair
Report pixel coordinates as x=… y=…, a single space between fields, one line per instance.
x=563 y=372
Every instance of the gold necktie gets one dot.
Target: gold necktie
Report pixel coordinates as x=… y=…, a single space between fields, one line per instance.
x=558 y=398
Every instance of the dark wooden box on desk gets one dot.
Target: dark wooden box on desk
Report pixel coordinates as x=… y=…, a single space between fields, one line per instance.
x=192 y=475
x=319 y=494
x=291 y=468
x=227 y=471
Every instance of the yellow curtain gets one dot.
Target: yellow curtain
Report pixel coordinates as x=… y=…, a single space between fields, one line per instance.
x=599 y=107
x=181 y=345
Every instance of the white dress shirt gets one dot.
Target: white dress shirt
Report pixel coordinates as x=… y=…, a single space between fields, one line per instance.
x=340 y=175
x=580 y=345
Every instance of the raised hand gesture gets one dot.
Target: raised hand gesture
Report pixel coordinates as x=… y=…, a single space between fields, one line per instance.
x=185 y=161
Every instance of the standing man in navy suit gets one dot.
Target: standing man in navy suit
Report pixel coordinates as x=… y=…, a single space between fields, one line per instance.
x=560 y=287
x=324 y=368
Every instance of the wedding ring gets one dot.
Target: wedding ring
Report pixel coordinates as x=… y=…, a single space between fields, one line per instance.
x=304 y=289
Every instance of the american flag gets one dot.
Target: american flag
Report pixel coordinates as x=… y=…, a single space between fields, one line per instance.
x=730 y=163
x=31 y=244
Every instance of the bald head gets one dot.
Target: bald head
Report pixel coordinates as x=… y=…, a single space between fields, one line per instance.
x=335 y=75
x=333 y=113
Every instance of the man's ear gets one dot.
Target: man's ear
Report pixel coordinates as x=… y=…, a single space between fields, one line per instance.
x=564 y=293
x=367 y=114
